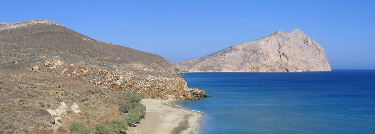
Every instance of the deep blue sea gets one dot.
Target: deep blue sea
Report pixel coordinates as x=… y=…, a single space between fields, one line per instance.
x=337 y=102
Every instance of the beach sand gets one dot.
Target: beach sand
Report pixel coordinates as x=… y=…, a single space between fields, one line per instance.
x=163 y=117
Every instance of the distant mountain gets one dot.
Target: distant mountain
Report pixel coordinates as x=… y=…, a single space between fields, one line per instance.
x=278 y=52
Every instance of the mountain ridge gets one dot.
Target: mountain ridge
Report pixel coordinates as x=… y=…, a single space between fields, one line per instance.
x=37 y=34
x=5 y=26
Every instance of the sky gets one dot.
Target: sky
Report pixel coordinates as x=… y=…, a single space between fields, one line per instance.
x=182 y=29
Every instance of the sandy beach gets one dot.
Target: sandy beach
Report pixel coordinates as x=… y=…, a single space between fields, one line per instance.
x=163 y=117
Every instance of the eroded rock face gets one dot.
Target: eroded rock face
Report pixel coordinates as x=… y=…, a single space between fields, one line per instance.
x=278 y=52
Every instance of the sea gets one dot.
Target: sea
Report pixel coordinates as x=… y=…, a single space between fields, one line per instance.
x=336 y=102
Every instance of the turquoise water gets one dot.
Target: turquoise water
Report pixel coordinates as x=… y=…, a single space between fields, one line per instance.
x=337 y=102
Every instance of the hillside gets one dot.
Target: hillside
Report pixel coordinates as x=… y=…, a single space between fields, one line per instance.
x=46 y=38
x=46 y=66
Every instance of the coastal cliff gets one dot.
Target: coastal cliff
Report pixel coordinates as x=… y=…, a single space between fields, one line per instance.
x=51 y=76
x=278 y=52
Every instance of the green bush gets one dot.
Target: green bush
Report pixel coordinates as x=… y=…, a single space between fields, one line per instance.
x=132 y=102
x=118 y=125
x=133 y=98
x=140 y=110
x=126 y=107
x=136 y=111
x=136 y=114
x=78 y=128
x=132 y=118
x=103 y=130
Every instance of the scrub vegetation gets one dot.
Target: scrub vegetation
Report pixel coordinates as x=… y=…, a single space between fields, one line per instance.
x=135 y=112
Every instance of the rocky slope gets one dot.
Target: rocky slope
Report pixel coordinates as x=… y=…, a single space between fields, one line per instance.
x=278 y=52
x=46 y=38
x=51 y=76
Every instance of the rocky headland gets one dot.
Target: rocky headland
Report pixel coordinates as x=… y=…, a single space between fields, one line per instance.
x=51 y=76
x=278 y=52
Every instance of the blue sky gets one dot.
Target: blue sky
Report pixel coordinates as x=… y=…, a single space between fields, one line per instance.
x=184 y=29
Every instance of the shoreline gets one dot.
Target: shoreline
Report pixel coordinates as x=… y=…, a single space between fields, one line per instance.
x=165 y=117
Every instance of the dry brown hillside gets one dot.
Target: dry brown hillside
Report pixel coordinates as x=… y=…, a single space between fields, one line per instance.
x=32 y=39
x=44 y=65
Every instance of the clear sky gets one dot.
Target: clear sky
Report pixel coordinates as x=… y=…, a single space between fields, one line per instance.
x=184 y=29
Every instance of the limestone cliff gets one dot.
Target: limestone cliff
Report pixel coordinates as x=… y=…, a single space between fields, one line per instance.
x=278 y=52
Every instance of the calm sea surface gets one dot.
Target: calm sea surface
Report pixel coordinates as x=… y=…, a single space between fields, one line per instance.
x=337 y=102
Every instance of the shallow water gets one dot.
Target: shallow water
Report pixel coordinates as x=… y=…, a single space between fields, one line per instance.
x=341 y=101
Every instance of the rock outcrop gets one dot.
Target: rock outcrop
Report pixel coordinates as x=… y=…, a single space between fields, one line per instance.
x=278 y=52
